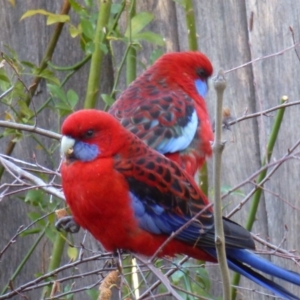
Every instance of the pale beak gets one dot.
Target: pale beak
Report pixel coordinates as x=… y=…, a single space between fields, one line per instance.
x=67 y=146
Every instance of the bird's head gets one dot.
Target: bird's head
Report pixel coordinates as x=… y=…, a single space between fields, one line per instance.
x=187 y=68
x=89 y=134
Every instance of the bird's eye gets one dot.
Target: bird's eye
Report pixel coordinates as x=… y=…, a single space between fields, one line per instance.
x=201 y=73
x=89 y=133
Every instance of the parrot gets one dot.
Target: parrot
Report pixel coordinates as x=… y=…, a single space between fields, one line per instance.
x=133 y=198
x=165 y=108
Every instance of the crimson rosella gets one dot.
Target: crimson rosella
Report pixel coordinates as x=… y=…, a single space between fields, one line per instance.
x=133 y=198
x=165 y=107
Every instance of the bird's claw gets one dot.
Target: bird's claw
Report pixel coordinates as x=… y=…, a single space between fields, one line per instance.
x=67 y=224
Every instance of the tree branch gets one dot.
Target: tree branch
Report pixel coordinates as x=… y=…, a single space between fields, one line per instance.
x=218 y=146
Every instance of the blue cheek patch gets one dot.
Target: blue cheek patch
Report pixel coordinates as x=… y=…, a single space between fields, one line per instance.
x=201 y=87
x=85 y=152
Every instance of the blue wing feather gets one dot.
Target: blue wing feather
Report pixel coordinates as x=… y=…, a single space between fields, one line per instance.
x=182 y=141
x=158 y=220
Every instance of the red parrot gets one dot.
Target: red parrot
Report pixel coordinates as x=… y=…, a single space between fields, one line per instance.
x=133 y=198
x=165 y=107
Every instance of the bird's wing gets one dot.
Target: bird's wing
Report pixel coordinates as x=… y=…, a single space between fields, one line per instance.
x=164 y=198
x=164 y=118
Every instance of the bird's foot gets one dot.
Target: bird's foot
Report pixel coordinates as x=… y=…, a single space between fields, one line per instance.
x=67 y=224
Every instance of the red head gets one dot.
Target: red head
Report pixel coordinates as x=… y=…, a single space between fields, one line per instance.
x=194 y=65
x=89 y=133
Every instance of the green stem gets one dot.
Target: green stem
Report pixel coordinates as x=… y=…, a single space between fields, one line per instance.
x=56 y=256
x=118 y=73
x=131 y=56
x=262 y=175
x=191 y=25
x=130 y=76
x=70 y=68
x=25 y=259
x=193 y=45
x=203 y=179
x=97 y=56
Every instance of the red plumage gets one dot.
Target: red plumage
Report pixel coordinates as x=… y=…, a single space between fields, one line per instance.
x=157 y=106
x=130 y=197
x=98 y=193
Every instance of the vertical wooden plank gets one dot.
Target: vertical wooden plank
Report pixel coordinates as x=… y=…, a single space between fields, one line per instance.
x=274 y=77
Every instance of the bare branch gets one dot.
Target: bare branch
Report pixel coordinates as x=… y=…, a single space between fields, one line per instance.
x=34 y=129
x=20 y=173
x=263 y=57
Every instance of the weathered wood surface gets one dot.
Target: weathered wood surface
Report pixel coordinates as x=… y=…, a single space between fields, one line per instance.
x=230 y=33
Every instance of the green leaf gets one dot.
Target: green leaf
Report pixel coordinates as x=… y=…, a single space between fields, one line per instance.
x=49 y=75
x=93 y=294
x=57 y=92
x=16 y=133
x=89 y=3
x=150 y=37
x=51 y=234
x=115 y=8
x=34 y=197
x=226 y=188
x=72 y=253
x=52 y=218
x=30 y=13
x=25 y=111
x=104 y=48
x=108 y=100
x=87 y=28
x=63 y=109
x=72 y=98
x=28 y=64
x=74 y=31
x=52 y=18
x=157 y=53
x=89 y=47
x=203 y=277
x=138 y=23
x=30 y=231
x=33 y=215
x=76 y=6
x=3 y=76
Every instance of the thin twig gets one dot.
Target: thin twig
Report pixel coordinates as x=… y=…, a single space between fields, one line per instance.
x=34 y=179
x=263 y=57
x=163 y=278
x=218 y=146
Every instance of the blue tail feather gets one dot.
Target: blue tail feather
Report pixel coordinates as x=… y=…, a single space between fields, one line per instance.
x=237 y=258
x=260 y=280
x=264 y=265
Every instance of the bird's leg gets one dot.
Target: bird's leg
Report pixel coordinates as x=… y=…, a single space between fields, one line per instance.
x=67 y=224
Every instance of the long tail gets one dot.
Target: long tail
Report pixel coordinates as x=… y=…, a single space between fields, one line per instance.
x=237 y=258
